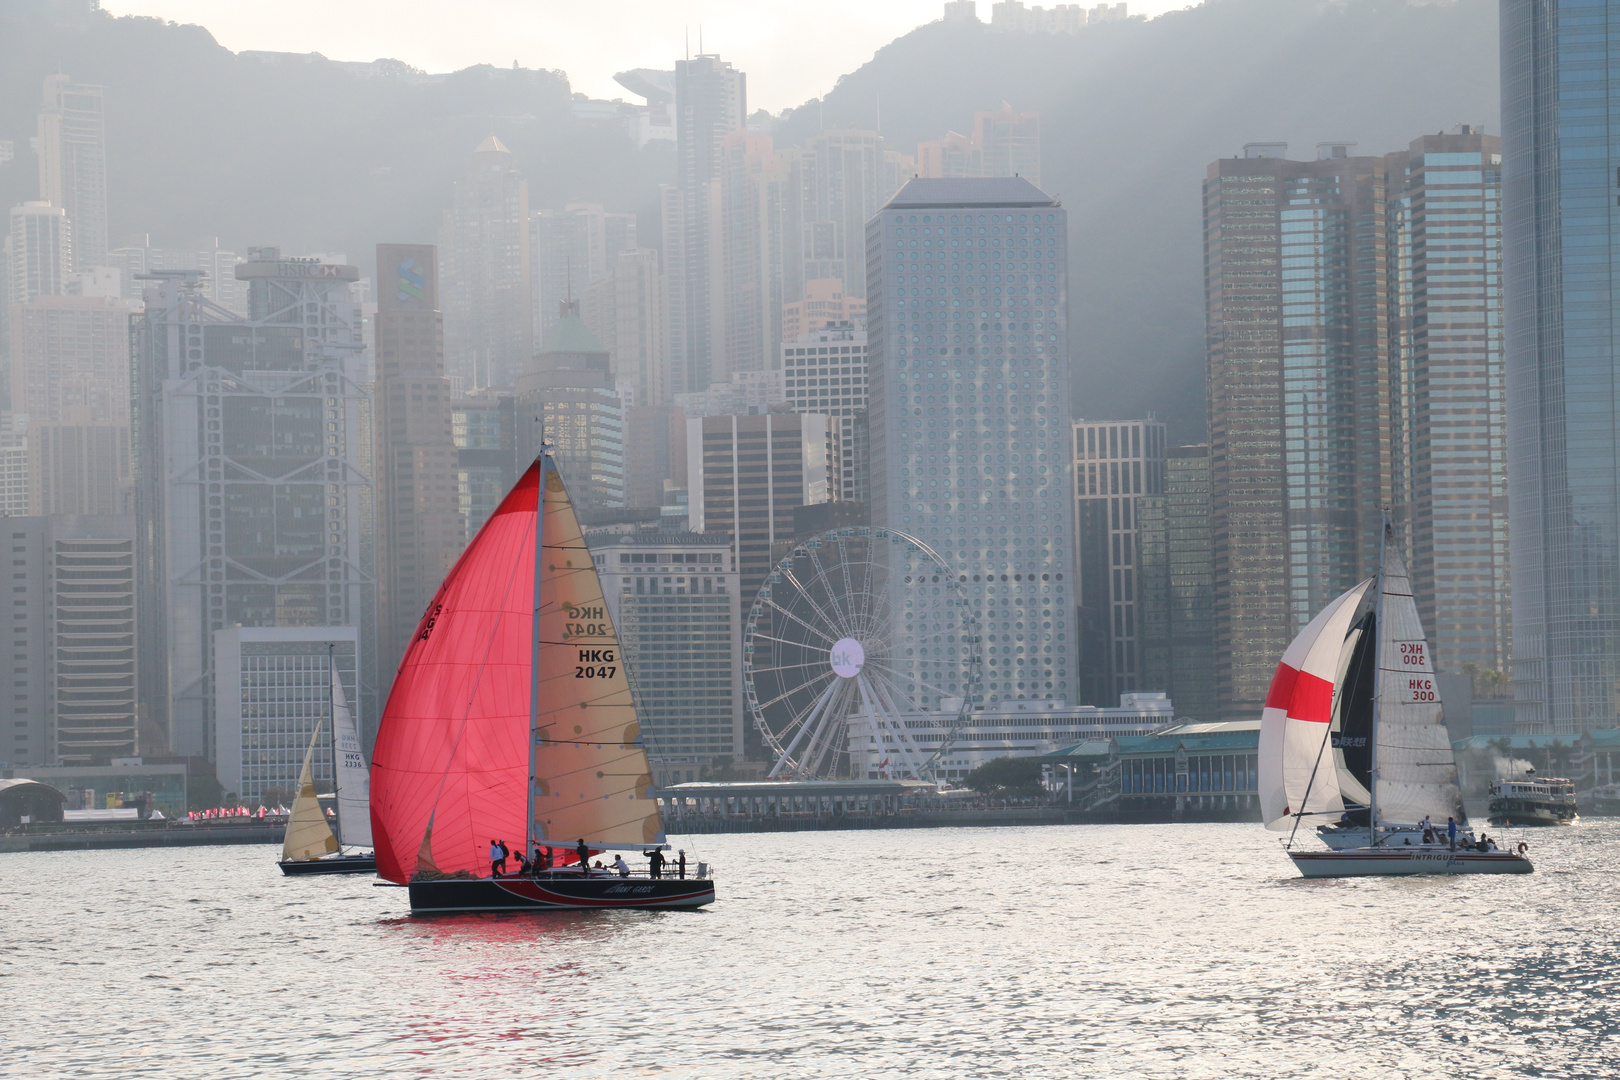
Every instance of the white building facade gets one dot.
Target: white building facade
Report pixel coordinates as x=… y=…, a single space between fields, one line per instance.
x=675 y=602
x=271 y=688
x=969 y=416
x=825 y=372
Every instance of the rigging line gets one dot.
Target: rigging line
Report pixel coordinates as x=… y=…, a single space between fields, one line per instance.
x=1309 y=784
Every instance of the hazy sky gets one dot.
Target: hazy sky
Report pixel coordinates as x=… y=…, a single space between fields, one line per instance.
x=792 y=50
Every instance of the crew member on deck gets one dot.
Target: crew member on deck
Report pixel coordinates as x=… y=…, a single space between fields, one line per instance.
x=621 y=866
x=682 y=864
x=655 y=863
x=584 y=854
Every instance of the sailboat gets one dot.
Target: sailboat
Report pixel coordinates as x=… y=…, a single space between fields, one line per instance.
x=1352 y=740
x=310 y=845
x=511 y=724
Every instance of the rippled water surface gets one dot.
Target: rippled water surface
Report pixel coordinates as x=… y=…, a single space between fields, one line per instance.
x=1186 y=951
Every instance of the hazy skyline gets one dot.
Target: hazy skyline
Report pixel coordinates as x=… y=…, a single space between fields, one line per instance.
x=791 y=52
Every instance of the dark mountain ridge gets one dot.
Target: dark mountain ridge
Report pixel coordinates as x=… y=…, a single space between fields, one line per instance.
x=1133 y=112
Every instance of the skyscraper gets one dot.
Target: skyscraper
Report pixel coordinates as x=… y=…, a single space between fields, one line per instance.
x=825 y=372
x=572 y=248
x=835 y=183
x=1298 y=395
x=1003 y=143
x=1117 y=464
x=751 y=242
x=1561 y=206
x=674 y=601
x=39 y=252
x=1449 y=438
x=70 y=690
x=485 y=271
x=70 y=359
x=73 y=163
x=249 y=486
x=625 y=310
x=483 y=427
x=746 y=474
x=420 y=529
x=1177 y=557
x=711 y=102
x=969 y=410
x=567 y=397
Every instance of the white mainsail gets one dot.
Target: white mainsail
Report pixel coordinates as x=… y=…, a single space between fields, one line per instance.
x=1297 y=773
x=1415 y=772
x=353 y=777
x=308 y=835
x=589 y=775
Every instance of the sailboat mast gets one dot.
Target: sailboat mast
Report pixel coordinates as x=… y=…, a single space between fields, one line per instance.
x=1378 y=685
x=331 y=718
x=534 y=653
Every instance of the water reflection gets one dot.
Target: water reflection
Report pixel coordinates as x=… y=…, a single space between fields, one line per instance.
x=1090 y=951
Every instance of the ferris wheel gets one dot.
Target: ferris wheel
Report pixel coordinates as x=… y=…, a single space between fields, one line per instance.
x=853 y=634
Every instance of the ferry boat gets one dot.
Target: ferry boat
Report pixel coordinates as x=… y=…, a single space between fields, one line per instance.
x=1604 y=801
x=511 y=719
x=1532 y=800
x=1352 y=741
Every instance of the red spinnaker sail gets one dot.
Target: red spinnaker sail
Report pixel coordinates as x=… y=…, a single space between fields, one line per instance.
x=451 y=742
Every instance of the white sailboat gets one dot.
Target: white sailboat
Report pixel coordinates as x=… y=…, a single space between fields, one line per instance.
x=1352 y=741
x=311 y=844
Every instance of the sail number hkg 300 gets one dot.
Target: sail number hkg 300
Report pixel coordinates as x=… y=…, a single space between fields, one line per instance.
x=596 y=664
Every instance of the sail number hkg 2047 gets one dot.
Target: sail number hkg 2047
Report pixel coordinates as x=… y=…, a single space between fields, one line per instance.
x=596 y=664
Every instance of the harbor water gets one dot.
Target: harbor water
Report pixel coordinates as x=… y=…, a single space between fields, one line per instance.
x=1064 y=951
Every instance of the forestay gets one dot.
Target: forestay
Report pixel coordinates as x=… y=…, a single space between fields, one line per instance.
x=1416 y=773
x=1297 y=773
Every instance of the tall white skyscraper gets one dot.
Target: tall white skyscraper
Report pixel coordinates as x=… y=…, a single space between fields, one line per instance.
x=969 y=412
x=711 y=102
x=73 y=163
x=39 y=252
x=484 y=271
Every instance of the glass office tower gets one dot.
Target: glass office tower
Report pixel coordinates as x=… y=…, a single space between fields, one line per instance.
x=1561 y=218
x=969 y=413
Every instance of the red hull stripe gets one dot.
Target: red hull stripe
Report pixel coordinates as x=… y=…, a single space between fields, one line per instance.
x=529 y=890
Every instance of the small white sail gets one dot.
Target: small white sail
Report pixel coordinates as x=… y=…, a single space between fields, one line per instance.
x=308 y=835
x=353 y=777
x=1297 y=772
x=1416 y=773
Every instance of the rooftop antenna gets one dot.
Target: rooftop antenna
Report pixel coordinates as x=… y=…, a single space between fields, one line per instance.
x=700 y=39
x=688 y=42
